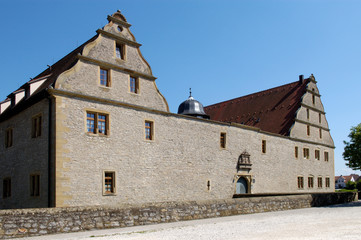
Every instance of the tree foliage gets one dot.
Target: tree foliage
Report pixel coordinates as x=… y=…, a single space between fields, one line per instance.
x=358 y=185
x=352 y=153
x=350 y=185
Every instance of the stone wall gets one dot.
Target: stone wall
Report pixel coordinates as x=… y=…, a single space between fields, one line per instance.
x=33 y=222
x=177 y=164
x=25 y=157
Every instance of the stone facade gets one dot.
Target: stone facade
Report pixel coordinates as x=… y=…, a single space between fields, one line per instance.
x=27 y=156
x=183 y=160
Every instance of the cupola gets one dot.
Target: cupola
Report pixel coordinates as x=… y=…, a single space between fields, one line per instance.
x=192 y=107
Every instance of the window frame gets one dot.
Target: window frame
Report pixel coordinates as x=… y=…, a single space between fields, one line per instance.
x=308 y=113
x=264 y=146
x=300 y=183
x=308 y=130
x=310 y=182
x=326 y=156
x=223 y=140
x=106 y=182
x=6 y=188
x=122 y=51
x=133 y=89
x=149 y=130
x=327 y=182
x=36 y=125
x=35 y=185
x=317 y=154
x=306 y=153
x=9 y=137
x=96 y=120
x=107 y=81
x=319 y=182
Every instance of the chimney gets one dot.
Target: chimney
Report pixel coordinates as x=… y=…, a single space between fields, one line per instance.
x=300 y=79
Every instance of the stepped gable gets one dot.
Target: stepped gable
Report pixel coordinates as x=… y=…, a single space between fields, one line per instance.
x=62 y=65
x=50 y=76
x=273 y=110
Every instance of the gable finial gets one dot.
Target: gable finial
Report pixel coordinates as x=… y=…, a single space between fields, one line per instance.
x=190 y=92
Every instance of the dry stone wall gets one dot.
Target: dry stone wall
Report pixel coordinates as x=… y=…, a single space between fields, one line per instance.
x=33 y=222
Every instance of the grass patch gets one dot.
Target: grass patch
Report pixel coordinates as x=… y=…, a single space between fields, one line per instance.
x=346 y=190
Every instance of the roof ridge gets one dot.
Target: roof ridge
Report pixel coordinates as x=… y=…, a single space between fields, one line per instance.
x=253 y=94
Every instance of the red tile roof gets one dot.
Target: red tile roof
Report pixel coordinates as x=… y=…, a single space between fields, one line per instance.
x=272 y=110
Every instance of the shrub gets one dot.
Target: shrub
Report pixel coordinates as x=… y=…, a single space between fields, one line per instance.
x=358 y=185
x=350 y=185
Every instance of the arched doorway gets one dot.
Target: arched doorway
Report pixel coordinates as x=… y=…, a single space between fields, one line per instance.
x=241 y=186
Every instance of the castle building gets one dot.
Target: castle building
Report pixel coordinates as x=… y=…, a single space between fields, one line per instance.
x=93 y=129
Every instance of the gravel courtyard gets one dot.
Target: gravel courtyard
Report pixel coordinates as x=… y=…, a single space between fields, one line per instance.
x=332 y=222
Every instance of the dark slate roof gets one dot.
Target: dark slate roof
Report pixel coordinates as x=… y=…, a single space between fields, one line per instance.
x=62 y=65
x=272 y=110
x=192 y=107
x=50 y=74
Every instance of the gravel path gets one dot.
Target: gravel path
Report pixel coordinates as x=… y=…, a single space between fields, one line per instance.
x=333 y=222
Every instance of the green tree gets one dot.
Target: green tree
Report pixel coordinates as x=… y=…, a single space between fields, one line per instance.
x=350 y=185
x=358 y=185
x=352 y=153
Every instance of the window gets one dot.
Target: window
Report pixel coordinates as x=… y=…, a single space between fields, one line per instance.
x=313 y=99
x=326 y=156
x=120 y=51
x=308 y=113
x=222 y=140
x=35 y=185
x=319 y=117
x=327 y=180
x=306 y=153
x=208 y=185
x=133 y=84
x=7 y=187
x=263 y=146
x=320 y=131
x=319 y=182
x=9 y=137
x=308 y=130
x=300 y=182
x=104 y=77
x=36 y=126
x=148 y=130
x=109 y=182
x=296 y=152
x=97 y=123
x=310 y=182
x=317 y=154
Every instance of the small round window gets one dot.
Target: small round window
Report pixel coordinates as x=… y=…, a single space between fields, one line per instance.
x=120 y=28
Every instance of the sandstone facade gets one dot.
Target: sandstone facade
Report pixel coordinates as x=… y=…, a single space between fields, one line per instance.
x=182 y=160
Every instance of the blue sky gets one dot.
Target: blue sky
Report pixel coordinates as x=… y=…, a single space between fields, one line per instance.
x=222 y=49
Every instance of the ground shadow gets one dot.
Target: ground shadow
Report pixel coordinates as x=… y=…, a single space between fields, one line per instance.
x=350 y=204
